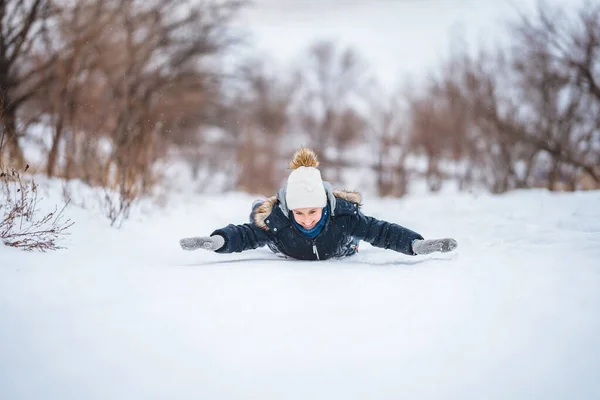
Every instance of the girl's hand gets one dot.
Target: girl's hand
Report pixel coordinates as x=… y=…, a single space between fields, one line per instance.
x=432 y=245
x=205 y=243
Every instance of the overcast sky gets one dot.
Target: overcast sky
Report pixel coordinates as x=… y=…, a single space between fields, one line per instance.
x=398 y=38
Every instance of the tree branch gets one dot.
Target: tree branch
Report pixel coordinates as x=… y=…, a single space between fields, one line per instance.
x=20 y=38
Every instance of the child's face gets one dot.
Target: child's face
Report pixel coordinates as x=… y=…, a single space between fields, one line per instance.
x=307 y=217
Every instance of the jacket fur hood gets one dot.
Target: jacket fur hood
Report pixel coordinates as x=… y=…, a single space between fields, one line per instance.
x=266 y=208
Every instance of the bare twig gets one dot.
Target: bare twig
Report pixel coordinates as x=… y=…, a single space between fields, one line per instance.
x=20 y=225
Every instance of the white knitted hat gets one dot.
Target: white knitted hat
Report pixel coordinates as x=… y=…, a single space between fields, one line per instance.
x=305 y=186
x=305 y=189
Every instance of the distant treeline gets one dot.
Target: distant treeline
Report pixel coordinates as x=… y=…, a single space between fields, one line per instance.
x=120 y=86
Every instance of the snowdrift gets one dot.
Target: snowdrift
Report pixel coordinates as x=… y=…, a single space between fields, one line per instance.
x=124 y=313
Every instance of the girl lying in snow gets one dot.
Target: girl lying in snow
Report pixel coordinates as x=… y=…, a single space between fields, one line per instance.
x=308 y=220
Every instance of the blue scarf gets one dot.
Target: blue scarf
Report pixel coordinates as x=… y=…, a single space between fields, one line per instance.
x=315 y=230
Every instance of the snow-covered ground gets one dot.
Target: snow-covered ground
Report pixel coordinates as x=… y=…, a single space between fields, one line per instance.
x=126 y=314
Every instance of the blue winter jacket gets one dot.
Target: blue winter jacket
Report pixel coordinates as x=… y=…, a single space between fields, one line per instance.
x=345 y=227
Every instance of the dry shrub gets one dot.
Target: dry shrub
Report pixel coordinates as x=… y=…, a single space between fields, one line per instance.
x=21 y=224
x=117 y=204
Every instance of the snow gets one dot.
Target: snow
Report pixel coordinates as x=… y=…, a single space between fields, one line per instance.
x=123 y=314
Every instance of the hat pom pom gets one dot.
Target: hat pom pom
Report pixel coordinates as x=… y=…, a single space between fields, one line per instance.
x=304 y=157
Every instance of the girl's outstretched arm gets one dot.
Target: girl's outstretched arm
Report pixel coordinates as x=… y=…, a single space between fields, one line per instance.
x=384 y=234
x=232 y=238
x=242 y=237
x=395 y=237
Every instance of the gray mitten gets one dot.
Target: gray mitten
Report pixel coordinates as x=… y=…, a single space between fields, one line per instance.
x=431 y=245
x=206 y=243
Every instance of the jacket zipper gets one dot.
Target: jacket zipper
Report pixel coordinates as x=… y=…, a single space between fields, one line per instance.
x=314 y=245
x=316 y=251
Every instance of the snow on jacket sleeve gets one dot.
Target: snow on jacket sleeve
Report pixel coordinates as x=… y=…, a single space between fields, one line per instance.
x=384 y=234
x=241 y=237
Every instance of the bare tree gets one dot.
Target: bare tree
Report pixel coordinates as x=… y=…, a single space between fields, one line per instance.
x=132 y=78
x=152 y=74
x=77 y=26
x=330 y=102
x=22 y=71
x=496 y=150
x=438 y=124
x=389 y=134
x=524 y=117
x=259 y=118
x=557 y=59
